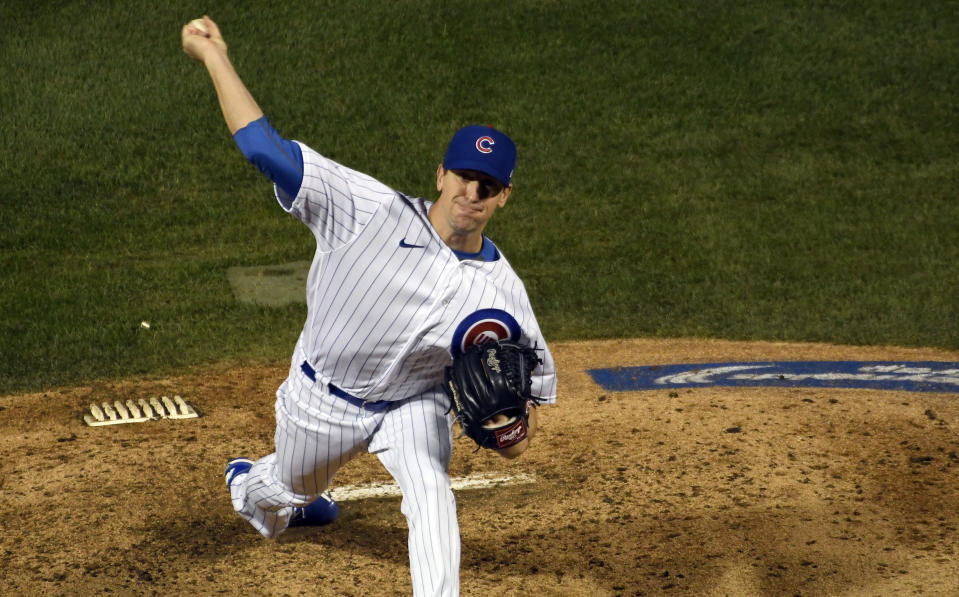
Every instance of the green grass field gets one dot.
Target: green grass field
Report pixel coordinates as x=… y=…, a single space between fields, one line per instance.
x=751 y=170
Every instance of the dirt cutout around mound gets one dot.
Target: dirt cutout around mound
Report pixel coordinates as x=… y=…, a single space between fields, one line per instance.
x=704 y=491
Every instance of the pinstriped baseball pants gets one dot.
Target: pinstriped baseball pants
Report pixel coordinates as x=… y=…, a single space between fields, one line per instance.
x=317 y=433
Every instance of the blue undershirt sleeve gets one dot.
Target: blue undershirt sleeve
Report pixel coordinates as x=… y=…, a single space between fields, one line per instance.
x=280 y=159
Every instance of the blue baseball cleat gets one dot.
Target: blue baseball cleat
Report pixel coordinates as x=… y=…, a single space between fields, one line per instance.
x=237 y=466
x=321 y=511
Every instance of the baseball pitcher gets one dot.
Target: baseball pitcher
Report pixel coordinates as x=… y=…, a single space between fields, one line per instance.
x=414 y=320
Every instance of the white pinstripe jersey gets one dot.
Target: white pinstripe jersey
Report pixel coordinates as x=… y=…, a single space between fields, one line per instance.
x=385 y=295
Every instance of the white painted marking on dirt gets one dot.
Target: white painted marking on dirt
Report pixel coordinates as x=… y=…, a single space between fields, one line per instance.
x=391 y=489
x=139 y=412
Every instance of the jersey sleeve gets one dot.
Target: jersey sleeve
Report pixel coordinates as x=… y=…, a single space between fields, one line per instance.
x=334 y=201
x=517 y=303
x=544 y=376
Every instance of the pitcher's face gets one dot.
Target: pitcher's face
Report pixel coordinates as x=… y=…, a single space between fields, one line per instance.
x=467 y=199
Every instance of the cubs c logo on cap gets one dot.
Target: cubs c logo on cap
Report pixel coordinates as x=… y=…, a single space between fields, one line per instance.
x=472 y=148
x=485 y=144
x=485 y=325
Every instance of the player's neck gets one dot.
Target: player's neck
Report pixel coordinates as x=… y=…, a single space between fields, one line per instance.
x=458 y=239
x=465 y=243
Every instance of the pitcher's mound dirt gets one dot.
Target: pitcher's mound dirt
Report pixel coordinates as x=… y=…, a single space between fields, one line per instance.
x=707 y=491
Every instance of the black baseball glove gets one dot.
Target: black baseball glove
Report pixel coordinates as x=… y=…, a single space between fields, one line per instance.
x=488 y=380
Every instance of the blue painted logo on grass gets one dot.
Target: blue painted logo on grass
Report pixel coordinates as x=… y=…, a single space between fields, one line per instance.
x=881 y=375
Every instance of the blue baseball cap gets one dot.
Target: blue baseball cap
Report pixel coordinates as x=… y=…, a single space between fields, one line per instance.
x=484 y=149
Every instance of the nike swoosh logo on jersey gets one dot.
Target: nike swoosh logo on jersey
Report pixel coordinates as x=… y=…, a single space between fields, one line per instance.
x=406 y=245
